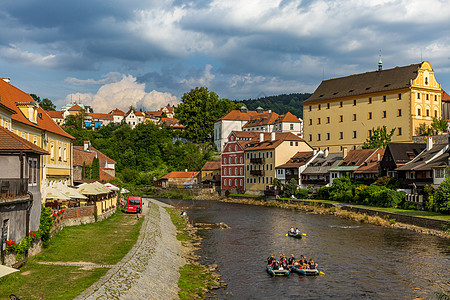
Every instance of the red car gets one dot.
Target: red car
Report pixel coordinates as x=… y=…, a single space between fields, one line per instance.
x=134 y=204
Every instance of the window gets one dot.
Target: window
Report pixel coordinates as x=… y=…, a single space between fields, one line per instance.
x=291 y=143
x=328 y=105
x=354 y=117
x=328 y=136
x=235 y=182
x=427 y=96
x=52 y=152
x=369 y=116
x=310 y=107
x=384 y=114
x=419 y=112
x=340 y=104
x=354 y=134
x=369 y=134
x=310 y=121
x=439 y=173
x=435 y=114
x=225 y=171
x=341 y=135
x=248 y=156
x=271 y=154
x=426 y=80
x=247 y=168
x=318 y=107
x=428 y=112
x=241 y=160
x=399 y=96
x=229 y=182
x=399 y=131
x=270 y=167
x=370 y=100
x=384 y=98
x=435 y=97
x=235 y=147
x=296 y=144
x=65 y=154
x=242 y=183
x=32 y=171
x=292 y=126
x=310 y=137
x=318 y=136
x=399 y=113
x=354 y=102
x=318 y=121
x=224 y=160
x=328 y=120
x=418 y=95
x=235 y=171
x=341 y=118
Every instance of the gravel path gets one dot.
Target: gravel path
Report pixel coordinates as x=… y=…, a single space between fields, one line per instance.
x=150 y=269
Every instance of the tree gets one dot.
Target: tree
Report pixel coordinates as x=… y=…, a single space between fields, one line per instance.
x=75 y=120
x=199 y=110
x=95 y=168
x=424 y=130
x=440 y=125
x=379 y=138
x=442 y=197
x=45 y=103
x=291 y=187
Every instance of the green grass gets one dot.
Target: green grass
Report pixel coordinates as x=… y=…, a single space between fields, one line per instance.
x=180 y=224
x=247 y=195
x=104 y=242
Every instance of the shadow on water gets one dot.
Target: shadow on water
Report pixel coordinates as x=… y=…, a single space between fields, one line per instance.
x=360 y=261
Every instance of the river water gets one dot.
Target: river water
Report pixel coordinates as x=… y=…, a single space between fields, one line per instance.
x=360 y=261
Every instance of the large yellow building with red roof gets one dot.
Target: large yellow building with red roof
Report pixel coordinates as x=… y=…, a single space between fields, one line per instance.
x=29 y=121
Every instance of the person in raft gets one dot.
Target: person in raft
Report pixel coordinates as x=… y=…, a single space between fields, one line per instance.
x=312 y=265
x=291 y=260
x=275 y=265
x=292 y=230
x=284 y=264
x=270 y=260
x=282 y=258
x=297 y=231
x=302 y=261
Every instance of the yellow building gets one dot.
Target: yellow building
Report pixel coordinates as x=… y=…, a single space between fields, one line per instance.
x=32 y=123
x=343 y=112
x=264 y=155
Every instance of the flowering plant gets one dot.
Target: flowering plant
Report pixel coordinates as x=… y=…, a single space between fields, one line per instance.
x=10 y=243
x=33 y=234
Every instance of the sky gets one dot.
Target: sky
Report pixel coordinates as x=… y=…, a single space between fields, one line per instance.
x=148 y=53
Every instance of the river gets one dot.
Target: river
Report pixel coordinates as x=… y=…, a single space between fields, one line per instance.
x=360 y=261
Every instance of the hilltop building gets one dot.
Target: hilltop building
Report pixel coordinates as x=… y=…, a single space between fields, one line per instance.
x=342 y=112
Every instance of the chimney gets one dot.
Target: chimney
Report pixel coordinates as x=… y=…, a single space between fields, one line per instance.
x=314 y=151
x=7 y=80
x=272 y=136
x=325 y=154
x=261 y=137
x=378 y=157
x=86 y=145
x=185 y=170
x=429 y=143
x=344 y=152
x=269 y=111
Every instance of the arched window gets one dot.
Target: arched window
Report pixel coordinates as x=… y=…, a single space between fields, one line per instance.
x=235 y=182
x=225 y=182
x=225 y=171
x=225 y=160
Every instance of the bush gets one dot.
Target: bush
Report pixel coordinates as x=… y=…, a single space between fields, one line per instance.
x=302 y=194
x=442 y=197
x=323 y=193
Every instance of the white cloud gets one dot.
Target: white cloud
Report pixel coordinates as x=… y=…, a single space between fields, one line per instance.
x=122 y=94
x=27 y=58
x=205 y=80
x=108 y=78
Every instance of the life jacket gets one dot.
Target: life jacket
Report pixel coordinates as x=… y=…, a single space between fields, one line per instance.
x=312 y=265
x=291 y=260
x=270 y=260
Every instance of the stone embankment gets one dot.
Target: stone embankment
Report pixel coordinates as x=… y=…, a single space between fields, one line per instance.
x=150 y=269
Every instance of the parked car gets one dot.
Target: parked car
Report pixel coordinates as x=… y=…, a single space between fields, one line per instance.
x=134 y=204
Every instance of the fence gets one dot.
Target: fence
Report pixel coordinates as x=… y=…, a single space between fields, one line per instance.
x=13 y=187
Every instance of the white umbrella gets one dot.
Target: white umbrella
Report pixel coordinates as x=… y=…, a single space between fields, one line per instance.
x=68 y=191
x=53 y=193
x=111 y=186
x=124 y=191
x=4 y=270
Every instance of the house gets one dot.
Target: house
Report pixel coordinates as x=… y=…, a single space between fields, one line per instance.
x=398 y=154
x=73 y=111
x=263 y=122
x=153 y=116
x=342 y=112
x=178 y=179
x=265 y=154
x=169 y=111
x=140 y=116
x=427 y=168
x=289 y=123
x=118 y=115
x=57 y=116
x=83 y=156
x=131 y=119
x=366 y=159
x=232 y=161
x=445 y=106
x=28 y=120
x=317 y=174
x=211 y=171
x=20 y=191
x=172 y=123
x=97 y=120
x=293 y=168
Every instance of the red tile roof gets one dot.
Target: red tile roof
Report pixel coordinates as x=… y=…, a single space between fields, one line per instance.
x=268 y=144
x=55 y=114
x=117 y=112
x=238 y=115
x=87 y=156
x=179 y=174
x=288 y=117
x=139 y=114
x=169 y=108
x=172 y=122
x=9 y=95
x=261 y=119
x=371 y=165
x=75 y=107
x=211 y=166
x=153 y=114
x=445 y=96
x=358 y=157
x=11 y=142
x=101 y=116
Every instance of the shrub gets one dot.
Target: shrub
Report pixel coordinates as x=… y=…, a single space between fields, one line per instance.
x=302 y=194
x=442 y=197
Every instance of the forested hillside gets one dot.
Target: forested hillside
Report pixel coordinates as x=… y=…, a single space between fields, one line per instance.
x=280 y=104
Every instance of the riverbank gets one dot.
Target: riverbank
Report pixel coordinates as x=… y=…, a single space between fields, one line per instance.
x=318 y=208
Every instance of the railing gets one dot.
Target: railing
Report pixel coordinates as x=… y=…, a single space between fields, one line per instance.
x=13 y=187
x=257 y=172
x=257 y=160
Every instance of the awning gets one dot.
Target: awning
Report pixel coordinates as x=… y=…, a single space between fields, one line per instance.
x=4 y=270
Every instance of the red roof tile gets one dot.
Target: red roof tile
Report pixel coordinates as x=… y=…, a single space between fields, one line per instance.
x=268 y=144
x=101 y=116
x=81 y=156
x=288 y=117
x=10 y=141
x=117 y=112
x=75 y=107
x=238 y=115
x=261 y=119
x=445 y=96
x=211 y=166
x=179 y=174
x=55 y=114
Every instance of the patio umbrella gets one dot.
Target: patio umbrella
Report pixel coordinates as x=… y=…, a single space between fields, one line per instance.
x=101 y=187
x=4 y=270
x=124 y=191
x=68 y=191
x=53 y=193
x=89 y=189
x=111 y=186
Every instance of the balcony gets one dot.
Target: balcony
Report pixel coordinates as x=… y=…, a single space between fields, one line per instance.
x=13 y=187
x=257 y=160
x=257 y=172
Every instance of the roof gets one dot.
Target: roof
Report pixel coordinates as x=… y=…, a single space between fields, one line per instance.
x=423 y=160
x=370 y=82
x=211 y=166
x=404 y=152
x=240 y=115
x=172 y=122
x=139 y=114
x=179 y=174
x=75 y=107
x=372 y=164
x=261 y=119
x=322 y=164
x=153 y=114
x=9 y=95
x=117 y=112
x=55 y=114
x=81 y=156
x=247 y=135
x=288 y=117
x=11 y=142
x=101 y=116
x=268 y=144
x=445 y=97
x=169 y=108
x=359 y=156
x=299 y=159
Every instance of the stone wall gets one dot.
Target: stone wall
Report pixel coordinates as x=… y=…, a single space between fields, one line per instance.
x=78 y=215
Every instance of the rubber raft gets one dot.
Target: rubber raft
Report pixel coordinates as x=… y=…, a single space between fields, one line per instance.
x=295 y=235
x=307 y=272
x=273 y=272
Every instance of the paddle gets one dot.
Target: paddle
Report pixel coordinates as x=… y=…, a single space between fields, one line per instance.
x=321 y=273
x=304 y=234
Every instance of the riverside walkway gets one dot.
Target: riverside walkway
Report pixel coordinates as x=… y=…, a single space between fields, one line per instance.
x=150 y=269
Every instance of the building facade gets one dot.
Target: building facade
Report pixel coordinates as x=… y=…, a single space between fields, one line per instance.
x=343 y=112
